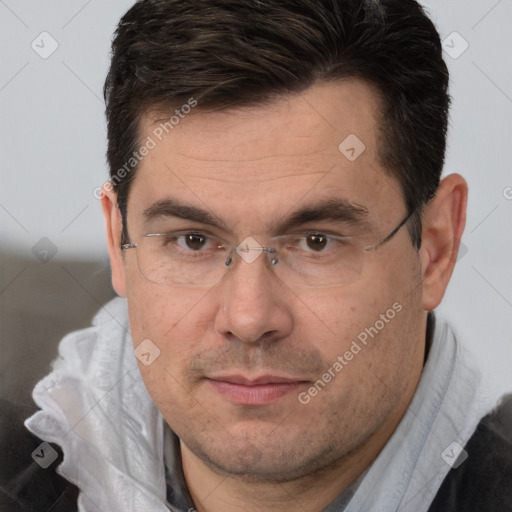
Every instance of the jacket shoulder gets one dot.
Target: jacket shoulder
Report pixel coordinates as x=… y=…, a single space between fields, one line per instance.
x=26 y=485
x=483 y=482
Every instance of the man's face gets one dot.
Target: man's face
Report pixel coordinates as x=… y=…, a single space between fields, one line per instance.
x=238 y=361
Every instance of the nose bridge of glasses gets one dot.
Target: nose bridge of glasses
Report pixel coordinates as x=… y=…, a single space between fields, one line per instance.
x=249 y=250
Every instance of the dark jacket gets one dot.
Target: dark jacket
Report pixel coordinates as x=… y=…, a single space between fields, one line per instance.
x=483 y=482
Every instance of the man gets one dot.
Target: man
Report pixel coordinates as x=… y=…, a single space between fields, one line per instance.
x=280 y=236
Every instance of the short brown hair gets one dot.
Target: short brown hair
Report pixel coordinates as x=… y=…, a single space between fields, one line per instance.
x=228 y=53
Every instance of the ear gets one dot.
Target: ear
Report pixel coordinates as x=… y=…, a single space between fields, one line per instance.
x=114 y=226
x=443 y=224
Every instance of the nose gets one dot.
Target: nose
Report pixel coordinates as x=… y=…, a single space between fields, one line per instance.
x=253 y=305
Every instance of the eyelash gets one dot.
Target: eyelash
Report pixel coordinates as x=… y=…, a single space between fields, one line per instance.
x=210 y=236
x=175 y=236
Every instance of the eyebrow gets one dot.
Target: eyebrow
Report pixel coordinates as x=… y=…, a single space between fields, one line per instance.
x=173 y=208
x=334 y=209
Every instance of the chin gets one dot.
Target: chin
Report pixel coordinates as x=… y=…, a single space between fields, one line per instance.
x=265 y=459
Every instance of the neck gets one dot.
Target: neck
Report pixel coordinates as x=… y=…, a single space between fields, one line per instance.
x=212 y=491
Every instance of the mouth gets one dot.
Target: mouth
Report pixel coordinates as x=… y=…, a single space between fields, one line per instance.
x=255 y=391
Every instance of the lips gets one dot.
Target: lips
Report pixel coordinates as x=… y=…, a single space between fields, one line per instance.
x=255 y=391
x=255 y=381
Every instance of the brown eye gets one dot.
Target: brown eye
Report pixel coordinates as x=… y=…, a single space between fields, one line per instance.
x=194 y=241
x=316 y=242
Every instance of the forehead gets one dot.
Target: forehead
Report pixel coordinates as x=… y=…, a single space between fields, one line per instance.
x=262 y=160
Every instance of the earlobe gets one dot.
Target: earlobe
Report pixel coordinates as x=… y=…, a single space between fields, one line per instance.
x=114 y=226
x=443 y=224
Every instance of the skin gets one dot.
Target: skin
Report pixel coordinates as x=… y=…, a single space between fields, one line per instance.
x=251 y=166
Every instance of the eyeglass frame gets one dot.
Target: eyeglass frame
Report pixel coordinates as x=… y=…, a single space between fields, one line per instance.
x=274 y=261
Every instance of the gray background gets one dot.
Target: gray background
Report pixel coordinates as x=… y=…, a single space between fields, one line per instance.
x=52 y=135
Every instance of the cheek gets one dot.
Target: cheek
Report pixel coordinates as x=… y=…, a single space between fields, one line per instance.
x=174 y=321
x=163 y=313
x=376 y=321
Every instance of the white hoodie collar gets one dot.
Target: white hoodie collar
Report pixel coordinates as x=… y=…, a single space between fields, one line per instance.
x=447 y=406
x=96 y=407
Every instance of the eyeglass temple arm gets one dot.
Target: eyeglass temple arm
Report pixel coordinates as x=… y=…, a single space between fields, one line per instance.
x=390 y=235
